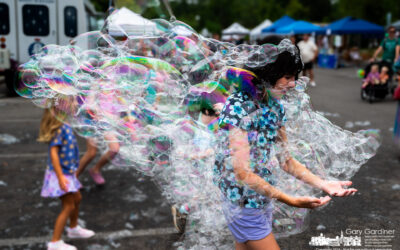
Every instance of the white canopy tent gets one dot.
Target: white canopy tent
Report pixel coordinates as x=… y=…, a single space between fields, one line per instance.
x=126 y=22
x=396 y=24
x=204 y=32
x=231 y=37
x=256 y=32
x=234 y=32
x=235 y=29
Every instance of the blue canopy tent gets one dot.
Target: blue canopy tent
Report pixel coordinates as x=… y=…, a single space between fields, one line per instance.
x=300 y=27
x=351 y=25
x=281 y=22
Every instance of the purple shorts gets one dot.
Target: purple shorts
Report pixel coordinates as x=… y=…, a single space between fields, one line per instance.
x=248 y=223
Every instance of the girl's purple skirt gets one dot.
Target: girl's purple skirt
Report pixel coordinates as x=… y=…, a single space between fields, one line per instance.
x=51 y=188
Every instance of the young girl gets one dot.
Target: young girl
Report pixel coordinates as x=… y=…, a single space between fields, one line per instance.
x=105 y=99
x=206 y=106
x=384 y=75
x=60 y=180
x=90 y=154
x=253 y=123
x=372 y=77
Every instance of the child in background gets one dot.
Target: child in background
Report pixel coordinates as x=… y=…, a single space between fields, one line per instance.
x=206 y=106
x=90 y=154
x=60 y=180
x=384 y=75
x=372 y=77
x=106 y=100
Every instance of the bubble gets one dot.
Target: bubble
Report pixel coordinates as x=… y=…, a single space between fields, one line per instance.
x=301 y=84
x=158 y=96
x=30 y=77
x=41 y=102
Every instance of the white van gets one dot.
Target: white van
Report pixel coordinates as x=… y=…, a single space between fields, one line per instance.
x=27 y=25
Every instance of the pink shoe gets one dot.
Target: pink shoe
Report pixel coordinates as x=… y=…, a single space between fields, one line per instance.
x=60 y=245
x=79 y=233
x=97 y=177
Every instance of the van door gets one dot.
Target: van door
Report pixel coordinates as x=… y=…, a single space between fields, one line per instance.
x=71 y=20
x=37 y=26
x=8 y=28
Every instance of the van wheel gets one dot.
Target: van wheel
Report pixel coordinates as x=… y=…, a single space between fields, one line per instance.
x=11 y=77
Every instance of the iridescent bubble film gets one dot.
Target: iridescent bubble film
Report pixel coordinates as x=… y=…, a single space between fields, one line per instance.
x=150 y=93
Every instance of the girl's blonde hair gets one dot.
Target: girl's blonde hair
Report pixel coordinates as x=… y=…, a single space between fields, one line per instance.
x=48 y=126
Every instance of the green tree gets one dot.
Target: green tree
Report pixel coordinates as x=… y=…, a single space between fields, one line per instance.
x=317 y=11
x=297 y=10
x=216 y=15
x=371 y=10
x=100 y=5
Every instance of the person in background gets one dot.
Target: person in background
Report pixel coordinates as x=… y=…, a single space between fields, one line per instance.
x=216 y=36
x=396 y=96
x=389 y=46
x=384 y=75
x=90 y=154
x=293 y=39
x=105 y=100
x=309 y=53
x=207 y=108
x=397 y=56
x=325 y=44
x=355 y=56
x=372 y=77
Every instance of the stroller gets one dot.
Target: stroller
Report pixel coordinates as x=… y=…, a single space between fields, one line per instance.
x=378 y=91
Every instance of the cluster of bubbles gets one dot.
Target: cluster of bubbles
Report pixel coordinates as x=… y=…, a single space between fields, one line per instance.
x=146 y=91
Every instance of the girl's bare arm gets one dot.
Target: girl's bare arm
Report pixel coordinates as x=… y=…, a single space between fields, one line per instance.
x=55 y=160
x=240 y=153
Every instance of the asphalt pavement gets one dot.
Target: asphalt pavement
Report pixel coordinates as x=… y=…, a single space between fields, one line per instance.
x=130 y=213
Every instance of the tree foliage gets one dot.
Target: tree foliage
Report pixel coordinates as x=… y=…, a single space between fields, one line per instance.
x=216 y=15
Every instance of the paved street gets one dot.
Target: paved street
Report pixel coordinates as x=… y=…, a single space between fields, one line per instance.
x=130 y=213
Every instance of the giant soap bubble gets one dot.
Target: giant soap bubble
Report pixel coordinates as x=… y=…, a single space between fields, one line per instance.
x=146 y=91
